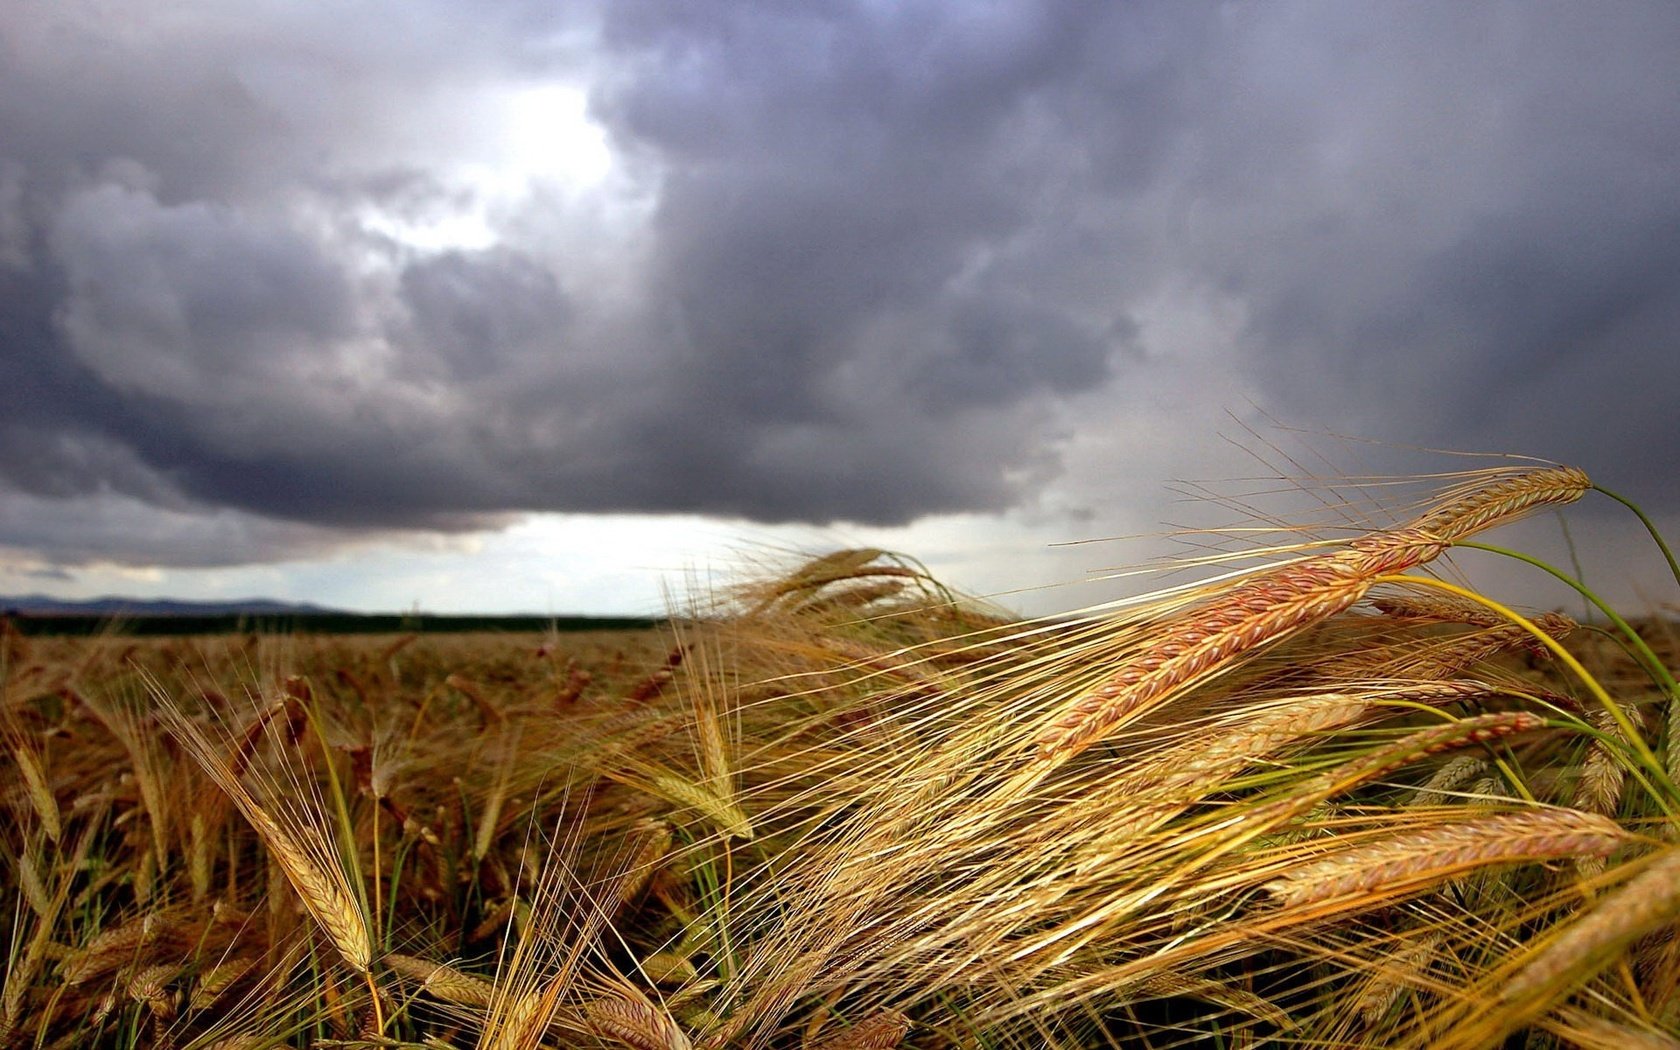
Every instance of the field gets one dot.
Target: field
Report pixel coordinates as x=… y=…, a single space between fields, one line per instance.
x=1322 y=798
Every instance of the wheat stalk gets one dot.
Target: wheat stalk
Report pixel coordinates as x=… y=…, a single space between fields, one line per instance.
x=635 y=729
x=489 y=820
x=1435 y=608
x=1193 y=646
x=650 y=842
x=34 y=890
x=1478 y=507
x=150 y=985
x=1671 y=735
x=722 y=812
x=28 y=950
x=321 y=886
x=1435 y=740
x=1166 y=784
x=1599 y=787
x=1445 y=608
x=538 y=968
x=819 y=572
x=217 y=979
x=1254 y=734
x=1602 y=777
x=1445 y=781
x=495 y=918
x=517 y=1021
x=198 y=856
x=110 y=948
x=1583 y=1031
x=20 y=972
x=1204 y=762
x=1452 y=656
x=1177 y=985
x=668 y=968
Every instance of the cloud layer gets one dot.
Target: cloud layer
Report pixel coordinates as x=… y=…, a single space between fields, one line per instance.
x=277 y=279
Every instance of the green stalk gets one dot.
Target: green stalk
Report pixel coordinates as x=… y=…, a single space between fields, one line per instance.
x=1564 y=656
x=1633 y=642
x=345 y=834
x=1574 y=555
x=714 y=913
x=392 y=881
x=1662 y=545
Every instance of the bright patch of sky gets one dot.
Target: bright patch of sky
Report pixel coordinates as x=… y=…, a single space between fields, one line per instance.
x=534 y=137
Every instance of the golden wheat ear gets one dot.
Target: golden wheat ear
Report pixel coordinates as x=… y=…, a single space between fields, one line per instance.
x=443 y=981
x=1581 y=948
x=631 y=1019
x=40 y=796
x=1583 y=1031
x=295 y=834
x=1409 y=862
x=1209 y=639
x=882 y=1030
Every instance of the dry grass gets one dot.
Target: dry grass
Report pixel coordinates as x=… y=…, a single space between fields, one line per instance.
x=1302 y=804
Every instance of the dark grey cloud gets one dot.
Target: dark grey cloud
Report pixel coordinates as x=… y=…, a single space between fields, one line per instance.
x=1456 y=225
x=109 y=528
x=854 y=262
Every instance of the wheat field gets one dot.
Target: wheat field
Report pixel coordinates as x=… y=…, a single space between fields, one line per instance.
x=1324 y=794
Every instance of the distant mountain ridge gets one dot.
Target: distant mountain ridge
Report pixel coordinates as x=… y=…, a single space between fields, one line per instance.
x=37 y=614
x=42 y=605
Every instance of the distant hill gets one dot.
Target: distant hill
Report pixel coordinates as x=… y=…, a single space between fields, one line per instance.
x=35 y=614
x=41 y=605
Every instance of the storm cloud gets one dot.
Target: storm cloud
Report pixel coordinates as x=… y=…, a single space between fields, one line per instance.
x=273 y=280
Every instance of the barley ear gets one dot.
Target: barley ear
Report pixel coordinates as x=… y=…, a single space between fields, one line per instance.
x=1587 y=944
x=634 y=1022
x=40 y=796
x=34 y=890
x=1583 y=1031
x=444 y=981
x=305 y=854
x=325 y=897
x=649 y=842
x=882 y=1030
x=1463 y=514
x=1400 y=972
x=1413 y=861
x=724 y=814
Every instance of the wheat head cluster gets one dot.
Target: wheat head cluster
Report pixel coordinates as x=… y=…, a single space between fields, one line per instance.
x=1324 y=794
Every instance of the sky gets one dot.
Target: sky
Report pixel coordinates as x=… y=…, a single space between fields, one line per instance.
x=541 y=306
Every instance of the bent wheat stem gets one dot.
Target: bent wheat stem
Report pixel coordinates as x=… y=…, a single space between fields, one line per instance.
x=1564 y=656
x=1650 y=527
x=1631 y=638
